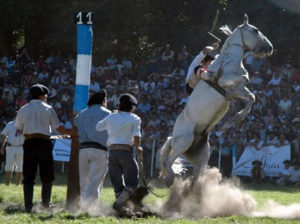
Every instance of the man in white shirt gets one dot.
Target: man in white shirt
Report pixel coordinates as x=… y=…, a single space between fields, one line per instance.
x=295 y=174
x=94 y=85
x=284 y=173
x=36 y=120
x=13 y=140
x=124 y=132
x=276 y=80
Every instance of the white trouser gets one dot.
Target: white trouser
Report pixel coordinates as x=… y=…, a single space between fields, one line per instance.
x=93 y=166
x=14 y=158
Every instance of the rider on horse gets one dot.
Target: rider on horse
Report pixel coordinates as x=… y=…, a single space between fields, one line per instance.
x=199 y=65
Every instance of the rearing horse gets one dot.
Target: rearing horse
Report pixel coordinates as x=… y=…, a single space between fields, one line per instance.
x=225 y=80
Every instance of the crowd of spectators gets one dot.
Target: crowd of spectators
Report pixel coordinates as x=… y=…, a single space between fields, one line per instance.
x=158 y=81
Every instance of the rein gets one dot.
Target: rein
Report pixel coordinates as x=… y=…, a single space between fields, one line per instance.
x=216 y=87
x=243 y=45
x=150 y=189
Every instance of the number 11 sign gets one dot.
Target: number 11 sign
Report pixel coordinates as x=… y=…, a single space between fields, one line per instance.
x=84 y=18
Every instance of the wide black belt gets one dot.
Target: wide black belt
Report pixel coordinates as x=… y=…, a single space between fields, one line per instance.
x=120 y=147
x=96 y=145
x=8 y=144
x=36 y=135
x=216 y=87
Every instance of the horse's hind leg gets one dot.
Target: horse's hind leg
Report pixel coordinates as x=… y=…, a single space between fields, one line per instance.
x=180 y=145
x=199 y=157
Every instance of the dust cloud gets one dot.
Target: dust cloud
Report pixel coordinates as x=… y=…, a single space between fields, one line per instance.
x=212 y=197
x=208 y=197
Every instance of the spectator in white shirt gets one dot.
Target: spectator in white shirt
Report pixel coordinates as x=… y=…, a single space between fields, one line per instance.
x=94 y=85
x=282 y=140
x=295 y=174
x=256 y=142
x=276 y=80
x=284 y=173
x=127 y=63
x=271 y=139
x=285 y=103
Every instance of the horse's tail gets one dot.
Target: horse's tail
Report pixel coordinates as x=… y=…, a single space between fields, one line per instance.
x=164 y=153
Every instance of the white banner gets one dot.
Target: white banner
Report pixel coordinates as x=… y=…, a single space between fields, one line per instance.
x=271 y=157
x=62 y=150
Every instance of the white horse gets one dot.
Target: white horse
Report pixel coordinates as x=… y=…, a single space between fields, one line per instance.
x=210 y=101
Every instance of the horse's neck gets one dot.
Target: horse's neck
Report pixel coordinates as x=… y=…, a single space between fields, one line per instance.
x=235 y=52
x=233 y=48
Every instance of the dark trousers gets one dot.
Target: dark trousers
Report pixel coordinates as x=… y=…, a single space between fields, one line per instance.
x=122 y=164
x=188 y=89
x=37 y=153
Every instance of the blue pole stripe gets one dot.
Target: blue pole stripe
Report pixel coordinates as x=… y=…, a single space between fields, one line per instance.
x=83 y=67
x=81 y=97
x=84 y=39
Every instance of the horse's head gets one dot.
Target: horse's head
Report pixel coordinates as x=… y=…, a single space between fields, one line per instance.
x=254 y=40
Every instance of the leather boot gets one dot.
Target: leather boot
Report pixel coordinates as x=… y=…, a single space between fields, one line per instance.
x=8 y=176
x=18 y=178
x=121 y=200
x=28 y=195
x=46 y=194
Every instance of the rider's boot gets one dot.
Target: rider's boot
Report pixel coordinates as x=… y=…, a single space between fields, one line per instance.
x=121 y=200
x=209 y=76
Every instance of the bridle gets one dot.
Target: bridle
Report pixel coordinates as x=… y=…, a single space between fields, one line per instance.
x=243 y=45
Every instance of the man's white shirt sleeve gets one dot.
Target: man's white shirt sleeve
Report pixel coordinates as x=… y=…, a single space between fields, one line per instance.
x=101 y=125
x=137 y=128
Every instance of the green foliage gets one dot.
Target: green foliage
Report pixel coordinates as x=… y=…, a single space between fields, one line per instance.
x=134 y=27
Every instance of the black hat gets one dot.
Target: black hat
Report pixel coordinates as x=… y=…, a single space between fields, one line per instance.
x=287 y=161
x=126 y=102
x=127 y=99
x=256 y=162
x=97 y=98
x=37 y=90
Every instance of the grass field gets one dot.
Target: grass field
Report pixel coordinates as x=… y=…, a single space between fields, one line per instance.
x=11 y=202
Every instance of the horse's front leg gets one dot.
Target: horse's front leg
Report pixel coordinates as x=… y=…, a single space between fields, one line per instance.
x=180 y=145
x=243 y=93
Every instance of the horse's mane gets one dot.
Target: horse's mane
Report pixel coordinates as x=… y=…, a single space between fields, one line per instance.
x=225 y=29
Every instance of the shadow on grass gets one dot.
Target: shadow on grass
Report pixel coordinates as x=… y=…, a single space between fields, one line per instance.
x=45 y=217
x=12 y=209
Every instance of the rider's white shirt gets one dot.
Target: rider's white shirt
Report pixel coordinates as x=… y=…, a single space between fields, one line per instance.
x=196 y=61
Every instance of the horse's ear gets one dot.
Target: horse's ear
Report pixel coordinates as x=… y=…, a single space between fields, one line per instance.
x=246 y=19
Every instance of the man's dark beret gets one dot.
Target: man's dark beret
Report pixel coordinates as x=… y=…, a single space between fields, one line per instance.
x=37 y=90
x=97 y=98
x=127 y=99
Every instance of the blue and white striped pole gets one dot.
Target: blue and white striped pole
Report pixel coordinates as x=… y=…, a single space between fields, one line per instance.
x=83 y=70
x=84 y=61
